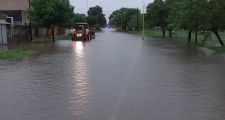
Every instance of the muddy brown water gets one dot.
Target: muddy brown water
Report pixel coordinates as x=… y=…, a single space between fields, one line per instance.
x=116 y=76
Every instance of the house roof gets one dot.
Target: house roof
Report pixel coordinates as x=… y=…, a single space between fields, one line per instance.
x=14 y=5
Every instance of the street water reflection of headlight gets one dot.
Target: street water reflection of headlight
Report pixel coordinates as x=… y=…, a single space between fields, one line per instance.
x=81 y=86
x=78 y=46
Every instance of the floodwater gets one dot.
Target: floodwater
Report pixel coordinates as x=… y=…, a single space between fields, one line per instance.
x=116 y=76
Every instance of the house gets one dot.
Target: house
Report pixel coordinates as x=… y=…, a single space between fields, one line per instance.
x=17 y=12
x=18 y=9
x=3 y=29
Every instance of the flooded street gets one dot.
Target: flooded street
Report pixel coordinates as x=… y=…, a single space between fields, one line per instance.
x=116 y=76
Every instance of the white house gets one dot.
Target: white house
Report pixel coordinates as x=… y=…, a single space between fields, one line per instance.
x=18 y=9
x=3 y=29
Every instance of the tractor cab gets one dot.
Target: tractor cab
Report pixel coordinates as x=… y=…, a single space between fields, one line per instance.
x=81 y=32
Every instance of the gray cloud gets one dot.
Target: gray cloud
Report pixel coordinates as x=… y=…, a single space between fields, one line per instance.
x=108 y=5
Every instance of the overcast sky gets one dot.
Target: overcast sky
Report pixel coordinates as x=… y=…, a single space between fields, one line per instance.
x=107 y=5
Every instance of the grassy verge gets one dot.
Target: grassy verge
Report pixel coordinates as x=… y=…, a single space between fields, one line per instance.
x=22 y=51
x=180 y=37
x=218 y=49
x=148 y=33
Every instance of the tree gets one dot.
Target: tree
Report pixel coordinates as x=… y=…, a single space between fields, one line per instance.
x=173 y=7
x=79 y=18
x=50 y=13
x=92 y=21
x=215 y=17
x=96 y=13
x=157 y=13
x=76 y=18
x=116 y=18
x=185 y=18
x=186 y=14
x=122 y=17
x=132 y=24
x=195 y=15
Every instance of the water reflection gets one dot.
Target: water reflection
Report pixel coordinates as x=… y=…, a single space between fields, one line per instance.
x=80 y=83
x=78 y=46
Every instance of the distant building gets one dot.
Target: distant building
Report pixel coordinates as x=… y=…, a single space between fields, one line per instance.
x=18 y=9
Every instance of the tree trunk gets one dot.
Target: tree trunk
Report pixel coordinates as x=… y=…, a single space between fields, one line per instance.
x=196 y=32
x=53 y=34
x=218 y=37
x=196 y=37
x=47 y=37
x=153 y=32
x=30 y=32
x=36 y=32
x=164 y=33
x=170 y=33
x=189 y=36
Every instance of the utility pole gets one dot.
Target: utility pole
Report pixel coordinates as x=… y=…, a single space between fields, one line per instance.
x=87 y=6
x=143 y=35
x=137 y=20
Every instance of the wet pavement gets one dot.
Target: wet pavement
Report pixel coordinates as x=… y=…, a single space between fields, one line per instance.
x=116 y=76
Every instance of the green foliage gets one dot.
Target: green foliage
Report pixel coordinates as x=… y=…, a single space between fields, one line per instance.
x=157 y=13
x=77 y=18
x=46 y=13
x=92 y=21
x=207 y=36
x=24 y=50
x=50 y=13
x=218 y=49
x=174 y=8
x=132 y=24
x=96 y=17
x=15 y=54
x=124 y=17
x=215 y=17
x=190 y=15
x=204 y=15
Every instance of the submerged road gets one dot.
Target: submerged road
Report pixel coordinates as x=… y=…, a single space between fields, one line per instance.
x=116 y=76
